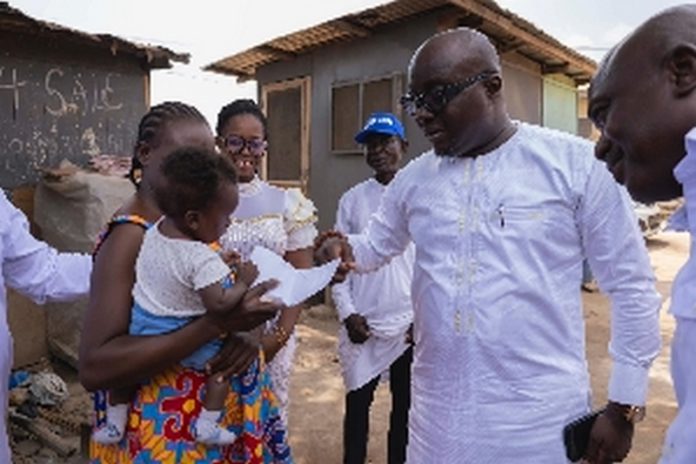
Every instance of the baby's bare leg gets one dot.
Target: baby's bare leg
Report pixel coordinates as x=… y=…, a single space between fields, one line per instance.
x=215 y=393
x=208 y=428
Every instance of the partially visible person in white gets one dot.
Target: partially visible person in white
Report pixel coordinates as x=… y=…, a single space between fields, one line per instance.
x=37 y=271
x=643 y=101
x=679 y=447
x=375 y=308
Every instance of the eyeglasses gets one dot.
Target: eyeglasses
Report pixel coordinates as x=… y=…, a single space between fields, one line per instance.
x=437 y=98
x=236 y=144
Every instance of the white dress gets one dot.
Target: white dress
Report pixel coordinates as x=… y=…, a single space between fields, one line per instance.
x=499 y=361
x=383 y=297
x=281 y=220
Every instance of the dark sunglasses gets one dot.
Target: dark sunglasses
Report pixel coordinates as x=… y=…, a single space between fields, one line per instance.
x=236 y=144
x=437 y=98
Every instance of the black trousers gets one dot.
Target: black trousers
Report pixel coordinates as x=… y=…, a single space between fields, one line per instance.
x=356 y=423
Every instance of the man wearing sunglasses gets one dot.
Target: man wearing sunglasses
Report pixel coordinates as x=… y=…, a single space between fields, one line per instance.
x=375 y=307
x=502 y=215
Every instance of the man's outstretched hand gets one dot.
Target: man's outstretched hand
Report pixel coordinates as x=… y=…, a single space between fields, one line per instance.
x=332 y=245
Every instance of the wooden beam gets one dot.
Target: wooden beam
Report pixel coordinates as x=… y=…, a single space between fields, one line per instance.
x=276 y=52
x=554 y=68
x=511 y=28
x=447 y=21
x=452 y=19
x=508 y=47
x=472 y=21
x=352 y=27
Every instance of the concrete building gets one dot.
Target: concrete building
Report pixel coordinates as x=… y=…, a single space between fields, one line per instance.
x=318 y=85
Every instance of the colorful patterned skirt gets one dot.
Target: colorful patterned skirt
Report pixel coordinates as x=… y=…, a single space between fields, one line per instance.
x=162 y=415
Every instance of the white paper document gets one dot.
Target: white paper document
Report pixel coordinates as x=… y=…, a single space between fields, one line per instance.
x=295 y=285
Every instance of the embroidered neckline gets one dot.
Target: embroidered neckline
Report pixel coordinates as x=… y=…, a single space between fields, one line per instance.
x=249 y=189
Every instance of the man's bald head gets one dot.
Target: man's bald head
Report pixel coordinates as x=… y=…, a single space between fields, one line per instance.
x=662 y=33
x=456 y=47
x=456 y=83
x=652 y=42
x=643 y=99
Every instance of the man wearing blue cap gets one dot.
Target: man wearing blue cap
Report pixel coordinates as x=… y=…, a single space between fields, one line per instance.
x=375 y=307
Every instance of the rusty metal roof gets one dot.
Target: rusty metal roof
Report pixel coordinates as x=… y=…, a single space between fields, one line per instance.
x=507 y=30
x=153 y=57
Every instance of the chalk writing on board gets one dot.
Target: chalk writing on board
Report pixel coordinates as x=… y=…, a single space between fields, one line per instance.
x=62 y=103
x=14 y=86
x=51 y=110
x=103 y=94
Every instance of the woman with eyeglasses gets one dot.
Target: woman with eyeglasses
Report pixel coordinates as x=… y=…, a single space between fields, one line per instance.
x=282 y=220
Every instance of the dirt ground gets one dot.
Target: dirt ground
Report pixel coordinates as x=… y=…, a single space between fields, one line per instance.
x=317 y=392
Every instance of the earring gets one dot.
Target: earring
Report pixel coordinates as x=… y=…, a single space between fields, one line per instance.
x=137 y=176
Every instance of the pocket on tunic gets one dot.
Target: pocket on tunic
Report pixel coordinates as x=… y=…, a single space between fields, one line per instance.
x=543 y=221
x=517 y=221
x=519 y=216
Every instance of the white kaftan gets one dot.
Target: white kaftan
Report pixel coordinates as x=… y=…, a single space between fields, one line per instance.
x=37 y=271
x=499 y=362
x=382 y=296
x=281 y=220
x=680 y=446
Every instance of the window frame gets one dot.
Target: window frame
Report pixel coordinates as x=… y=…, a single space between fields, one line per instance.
x=397 y=86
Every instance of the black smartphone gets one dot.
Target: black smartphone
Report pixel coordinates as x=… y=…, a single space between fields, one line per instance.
x=576 y=435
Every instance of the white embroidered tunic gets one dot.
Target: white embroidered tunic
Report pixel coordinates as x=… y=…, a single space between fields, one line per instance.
x=37 y=271
x=499 y=362
x=382 y=296
x=281 y=220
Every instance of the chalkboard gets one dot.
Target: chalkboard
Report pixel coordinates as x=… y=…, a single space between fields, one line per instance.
x=55 y=107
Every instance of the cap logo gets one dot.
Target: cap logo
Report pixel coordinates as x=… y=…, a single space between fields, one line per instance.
x=380 y=120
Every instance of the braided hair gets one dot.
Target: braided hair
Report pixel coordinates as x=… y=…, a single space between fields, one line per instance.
x=239 y=107
x=150 y=128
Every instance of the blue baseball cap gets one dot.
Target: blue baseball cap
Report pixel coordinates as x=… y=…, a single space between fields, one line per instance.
x=381 y=123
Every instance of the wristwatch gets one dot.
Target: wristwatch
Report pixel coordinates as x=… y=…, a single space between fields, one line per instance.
x=633 y=414
x=628 y=412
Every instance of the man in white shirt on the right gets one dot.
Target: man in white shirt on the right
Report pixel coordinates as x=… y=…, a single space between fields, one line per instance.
x=375 y=308
x=643 y=100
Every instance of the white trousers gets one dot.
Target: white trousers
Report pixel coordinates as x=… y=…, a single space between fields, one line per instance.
x=680 y=442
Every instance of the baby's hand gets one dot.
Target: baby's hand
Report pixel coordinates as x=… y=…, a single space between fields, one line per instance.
x=231 y=258
x=247 y=272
